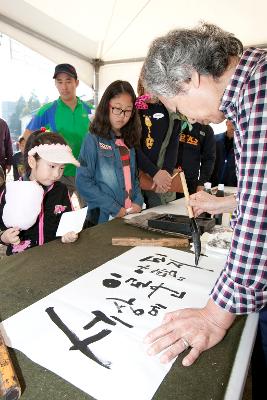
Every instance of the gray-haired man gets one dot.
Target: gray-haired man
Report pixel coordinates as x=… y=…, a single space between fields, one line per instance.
x=203 y=74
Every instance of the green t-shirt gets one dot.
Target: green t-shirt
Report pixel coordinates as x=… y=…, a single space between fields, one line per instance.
x=72 y=125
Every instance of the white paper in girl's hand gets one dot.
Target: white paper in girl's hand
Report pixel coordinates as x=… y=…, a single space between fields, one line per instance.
x=71 y=221
x=23 y=204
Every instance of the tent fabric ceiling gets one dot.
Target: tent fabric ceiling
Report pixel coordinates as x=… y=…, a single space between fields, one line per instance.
x=117 y=30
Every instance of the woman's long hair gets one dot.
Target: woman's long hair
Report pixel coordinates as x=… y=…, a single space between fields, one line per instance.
x=100 y=126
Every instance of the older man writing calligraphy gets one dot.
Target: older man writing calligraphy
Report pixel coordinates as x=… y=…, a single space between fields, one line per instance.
x=204 y=74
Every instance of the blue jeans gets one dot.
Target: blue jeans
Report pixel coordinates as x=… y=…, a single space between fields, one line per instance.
x=259 y=359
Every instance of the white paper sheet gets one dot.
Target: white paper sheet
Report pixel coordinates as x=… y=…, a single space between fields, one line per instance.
x=71 y=221
x=120 y=301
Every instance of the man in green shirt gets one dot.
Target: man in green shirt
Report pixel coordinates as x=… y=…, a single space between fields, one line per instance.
x=68 y=115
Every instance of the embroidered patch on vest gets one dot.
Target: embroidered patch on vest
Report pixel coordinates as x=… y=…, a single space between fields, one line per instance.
x=105 y=146
x=59 y=209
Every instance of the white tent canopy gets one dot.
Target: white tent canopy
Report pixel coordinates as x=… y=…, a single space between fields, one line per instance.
x=108 y=39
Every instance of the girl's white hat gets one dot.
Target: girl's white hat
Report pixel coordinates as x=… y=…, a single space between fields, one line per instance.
x=56 y=153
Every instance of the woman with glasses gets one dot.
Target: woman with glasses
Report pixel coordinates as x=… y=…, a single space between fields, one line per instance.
x=107 y=178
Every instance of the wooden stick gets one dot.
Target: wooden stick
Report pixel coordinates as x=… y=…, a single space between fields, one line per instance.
x=186 y=194
x=9 y=384
x=193 y=224
x=134 y=241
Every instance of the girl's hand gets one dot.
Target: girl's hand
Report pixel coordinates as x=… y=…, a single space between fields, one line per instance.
x=11 y=236
x=121 y=213
x=163 y=180
x=135 y=208
x=158 y=189
x=69 y=237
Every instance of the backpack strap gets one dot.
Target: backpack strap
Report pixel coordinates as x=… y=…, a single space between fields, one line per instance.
x=172 y=117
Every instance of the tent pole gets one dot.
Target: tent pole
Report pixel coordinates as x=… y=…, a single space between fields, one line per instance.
x=96 y=64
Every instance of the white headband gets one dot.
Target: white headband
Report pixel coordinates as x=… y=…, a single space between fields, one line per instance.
x=56 y=153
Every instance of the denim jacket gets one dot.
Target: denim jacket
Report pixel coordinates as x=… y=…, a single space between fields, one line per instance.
x=100 y=178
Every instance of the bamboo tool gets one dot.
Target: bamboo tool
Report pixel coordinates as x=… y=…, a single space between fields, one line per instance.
x=9 y=384
x=134 y=241
x=174 y=175
x=193 y=224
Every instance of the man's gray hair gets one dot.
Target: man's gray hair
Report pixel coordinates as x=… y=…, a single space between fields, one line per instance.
x=172 y=58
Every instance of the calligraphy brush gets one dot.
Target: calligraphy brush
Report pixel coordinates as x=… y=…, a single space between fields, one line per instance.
x=193 y=223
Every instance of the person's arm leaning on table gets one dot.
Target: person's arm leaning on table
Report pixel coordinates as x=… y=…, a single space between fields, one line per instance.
x=200 y=329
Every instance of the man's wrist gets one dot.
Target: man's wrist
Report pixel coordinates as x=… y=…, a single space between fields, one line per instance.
x=217 y=315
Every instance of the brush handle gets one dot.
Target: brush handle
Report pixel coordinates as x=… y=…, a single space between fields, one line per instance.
x=9 y=384
x=186 y=193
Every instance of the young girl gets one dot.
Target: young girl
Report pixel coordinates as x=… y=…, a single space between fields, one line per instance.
x=107 y=178
x=45 y=156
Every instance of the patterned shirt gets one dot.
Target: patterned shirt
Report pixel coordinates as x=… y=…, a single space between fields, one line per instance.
x=242 y=285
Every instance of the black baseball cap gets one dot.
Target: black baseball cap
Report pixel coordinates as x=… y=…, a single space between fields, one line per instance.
x=67 y=69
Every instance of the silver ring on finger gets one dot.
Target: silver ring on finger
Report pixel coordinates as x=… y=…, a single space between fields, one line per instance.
x=185 y=343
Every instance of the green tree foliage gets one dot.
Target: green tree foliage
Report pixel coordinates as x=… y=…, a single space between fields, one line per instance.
x=23 y=108
x=14 y=122
x=33 y=104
